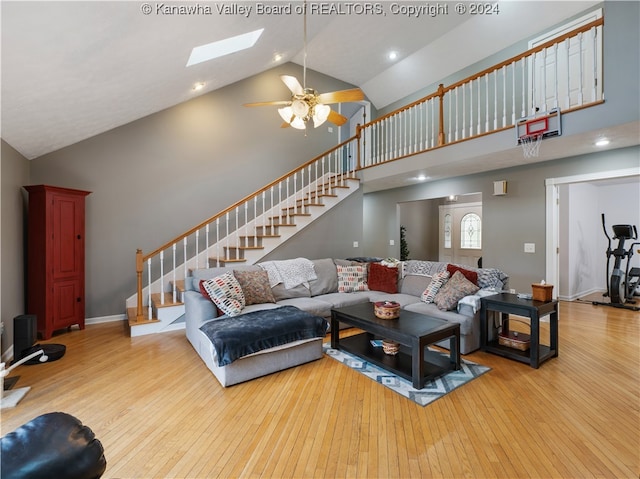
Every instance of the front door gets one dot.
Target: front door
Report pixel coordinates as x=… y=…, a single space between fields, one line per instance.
x=460 y=234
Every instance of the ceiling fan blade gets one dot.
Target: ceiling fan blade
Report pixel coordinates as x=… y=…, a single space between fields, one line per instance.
x=336 y=118
x=285 y=125
x=269 y=103
x=292 y=84
x=354 y=94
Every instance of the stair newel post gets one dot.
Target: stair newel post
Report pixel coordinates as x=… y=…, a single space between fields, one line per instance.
x=441 y=137
x=139 y=271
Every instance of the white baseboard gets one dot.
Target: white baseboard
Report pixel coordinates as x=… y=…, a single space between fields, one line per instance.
x=581 y=294
x=105 y=319
x=8 y=354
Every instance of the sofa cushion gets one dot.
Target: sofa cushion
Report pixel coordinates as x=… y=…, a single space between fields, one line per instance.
x=351 y=278
x=414 y=284
x=340 y=300
x=382 y=278
x=466 y=322
x=226 y=293
x=436 y=283
x=453 y=291
x=467 y=273
x=402 y=299
x=255 y=286
x=327 y=281
x=313 y=306
x=280 y=292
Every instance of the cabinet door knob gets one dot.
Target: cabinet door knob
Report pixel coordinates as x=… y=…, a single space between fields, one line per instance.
x=79 y=237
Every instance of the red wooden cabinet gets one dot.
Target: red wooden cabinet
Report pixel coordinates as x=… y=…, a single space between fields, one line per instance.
x=55 y=257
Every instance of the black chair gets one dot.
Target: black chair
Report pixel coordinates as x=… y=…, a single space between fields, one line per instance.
x=54 y=445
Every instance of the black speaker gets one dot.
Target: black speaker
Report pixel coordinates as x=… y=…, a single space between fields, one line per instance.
x=25 y=334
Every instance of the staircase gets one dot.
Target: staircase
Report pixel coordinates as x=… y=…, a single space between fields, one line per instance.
x=243 y=234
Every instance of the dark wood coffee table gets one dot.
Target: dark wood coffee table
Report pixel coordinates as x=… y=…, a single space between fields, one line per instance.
x=413 y=331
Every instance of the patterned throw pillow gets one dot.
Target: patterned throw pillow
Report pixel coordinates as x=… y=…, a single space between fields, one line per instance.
x=351 y=278
x=437 y=280
x=226 y=293
x=255 y=286
x=382 y=278
x=453 y=291
x=467 y=273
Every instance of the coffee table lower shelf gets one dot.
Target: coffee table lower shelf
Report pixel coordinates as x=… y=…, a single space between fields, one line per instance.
x=435 y=364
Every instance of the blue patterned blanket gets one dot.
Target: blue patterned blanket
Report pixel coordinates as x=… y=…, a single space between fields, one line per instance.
x=239 y=336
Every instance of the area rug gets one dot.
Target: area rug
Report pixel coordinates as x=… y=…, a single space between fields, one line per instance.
x=433 y=390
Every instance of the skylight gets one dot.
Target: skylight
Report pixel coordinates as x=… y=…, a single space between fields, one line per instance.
x=224 y=47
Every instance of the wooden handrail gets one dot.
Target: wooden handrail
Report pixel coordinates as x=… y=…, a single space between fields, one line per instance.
x=441 y=91
x=244 y=200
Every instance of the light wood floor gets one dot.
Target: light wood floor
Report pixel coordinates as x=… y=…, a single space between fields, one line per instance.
x=160 y=413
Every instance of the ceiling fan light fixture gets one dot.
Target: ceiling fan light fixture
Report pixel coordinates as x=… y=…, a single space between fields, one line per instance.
x=286 y=113
x=320 y=114
x=300 y=108
x=298 y=123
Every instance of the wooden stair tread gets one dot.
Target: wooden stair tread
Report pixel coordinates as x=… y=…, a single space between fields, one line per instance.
x=133 y=320
x=243 y=247
x=261 y=236
x=223 y=260
x=156 y=299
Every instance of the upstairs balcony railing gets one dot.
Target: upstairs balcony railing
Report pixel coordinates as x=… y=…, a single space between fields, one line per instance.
x=564 y=73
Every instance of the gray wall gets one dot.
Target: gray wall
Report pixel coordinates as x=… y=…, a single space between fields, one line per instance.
x=15 y=174
x=161 y=175
x=508 y=221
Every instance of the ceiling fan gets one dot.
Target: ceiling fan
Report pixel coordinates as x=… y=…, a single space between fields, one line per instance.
x=306 y=103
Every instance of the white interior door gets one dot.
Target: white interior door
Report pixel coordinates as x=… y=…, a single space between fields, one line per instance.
x=460 y=233
x=568 y=74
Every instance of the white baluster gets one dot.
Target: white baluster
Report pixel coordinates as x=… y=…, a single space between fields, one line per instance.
x=464 y=111
x=486 y=115
x=471 y=108
x=162 y=277
x=236 y=232
x=555 y=76
x=567 y=44
x=594 y=49
x=226 y=237
x=478 y=129
x=457 y=113
x=149 y=302
x=184 y=258
x=173 y=274
x=504 y=97
x=523 y=113
x=218 y=242
x=543 y=107
x=513 y=93
x=581 y=70
x=197 y=249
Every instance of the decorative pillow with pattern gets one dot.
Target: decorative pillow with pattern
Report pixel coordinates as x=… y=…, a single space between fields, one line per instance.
x=351 y=278
x=226 y=293
x=437 y=280
x=453 y=291
x=255 y=286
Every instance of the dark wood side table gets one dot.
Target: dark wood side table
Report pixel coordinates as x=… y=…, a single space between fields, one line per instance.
x=508 y=303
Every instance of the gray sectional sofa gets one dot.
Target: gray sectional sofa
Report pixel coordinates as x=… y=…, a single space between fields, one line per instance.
x=318 y=297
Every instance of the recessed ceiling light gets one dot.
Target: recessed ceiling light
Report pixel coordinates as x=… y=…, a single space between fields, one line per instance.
x=224 y=47
x=393 y=55
x=277 y=57
x=602 y=142
x=198 y=86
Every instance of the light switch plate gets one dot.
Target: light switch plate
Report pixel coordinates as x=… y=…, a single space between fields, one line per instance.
x=529 y=247
x=355 y=244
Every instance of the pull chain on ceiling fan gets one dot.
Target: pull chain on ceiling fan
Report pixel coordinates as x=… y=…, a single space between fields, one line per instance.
x=306 y=104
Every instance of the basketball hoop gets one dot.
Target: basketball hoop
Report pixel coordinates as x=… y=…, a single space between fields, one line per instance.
x=531 y=144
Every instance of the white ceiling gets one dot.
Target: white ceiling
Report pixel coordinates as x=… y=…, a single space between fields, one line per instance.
x=72 y=70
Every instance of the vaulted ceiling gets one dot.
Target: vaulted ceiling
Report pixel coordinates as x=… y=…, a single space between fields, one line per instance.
x=72 y=70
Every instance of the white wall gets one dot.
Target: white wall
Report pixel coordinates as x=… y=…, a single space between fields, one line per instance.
x=582 y=241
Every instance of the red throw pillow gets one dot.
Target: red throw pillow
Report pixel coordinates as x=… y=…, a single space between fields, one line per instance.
x=382 y=278
x=470 y=275
x=204 y=293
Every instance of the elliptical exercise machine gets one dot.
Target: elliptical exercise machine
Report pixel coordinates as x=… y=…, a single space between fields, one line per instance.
x=621 y=284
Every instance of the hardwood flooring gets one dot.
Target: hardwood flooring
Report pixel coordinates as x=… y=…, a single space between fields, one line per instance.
x=160 y=413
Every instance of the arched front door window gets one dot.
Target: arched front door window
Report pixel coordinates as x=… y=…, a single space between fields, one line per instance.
x=470 y=228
